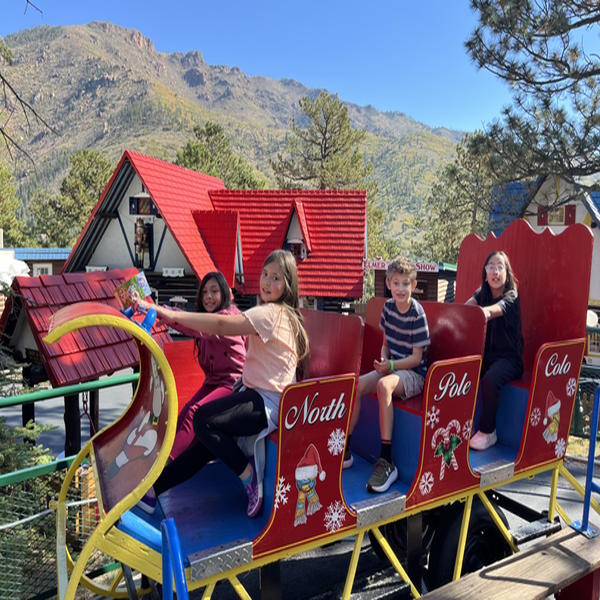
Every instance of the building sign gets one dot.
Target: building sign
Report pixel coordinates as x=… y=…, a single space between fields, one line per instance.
x=380 y=264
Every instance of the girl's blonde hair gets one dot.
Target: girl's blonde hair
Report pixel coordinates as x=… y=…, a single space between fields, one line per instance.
x=290 y=297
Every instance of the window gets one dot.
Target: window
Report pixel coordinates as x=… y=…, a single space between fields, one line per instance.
x=297 y=248
x=556 y=216
x=42 y=269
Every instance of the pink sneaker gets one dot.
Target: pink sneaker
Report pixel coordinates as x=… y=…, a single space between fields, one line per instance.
x=483 y=441
x=255 y=493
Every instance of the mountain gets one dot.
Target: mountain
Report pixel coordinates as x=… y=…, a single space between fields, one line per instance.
x=105 y=87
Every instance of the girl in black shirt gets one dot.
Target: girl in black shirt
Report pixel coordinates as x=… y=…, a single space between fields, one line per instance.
x=503 y=354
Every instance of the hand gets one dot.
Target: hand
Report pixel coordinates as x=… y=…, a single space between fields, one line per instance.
x=141 y=304
x=382 y=366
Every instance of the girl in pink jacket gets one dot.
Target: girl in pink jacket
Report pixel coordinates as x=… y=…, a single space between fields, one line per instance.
x=221 y=357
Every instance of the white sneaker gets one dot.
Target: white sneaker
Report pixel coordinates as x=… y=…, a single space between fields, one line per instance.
x=483 y=441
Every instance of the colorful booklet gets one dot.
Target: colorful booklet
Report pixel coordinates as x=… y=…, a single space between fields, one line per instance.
x=136 y=287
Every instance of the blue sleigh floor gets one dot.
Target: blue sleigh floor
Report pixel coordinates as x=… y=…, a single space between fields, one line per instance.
x=209 y=510
x=354 y=481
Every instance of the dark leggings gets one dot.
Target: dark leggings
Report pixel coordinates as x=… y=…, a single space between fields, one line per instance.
x=216 y=425
x=494 y=376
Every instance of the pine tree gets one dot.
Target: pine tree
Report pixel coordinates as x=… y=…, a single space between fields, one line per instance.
x=210 y=153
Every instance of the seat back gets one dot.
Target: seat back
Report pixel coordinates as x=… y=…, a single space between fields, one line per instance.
x=188 y=374
x=553 y=273
x=336 y=342
x=454 y=331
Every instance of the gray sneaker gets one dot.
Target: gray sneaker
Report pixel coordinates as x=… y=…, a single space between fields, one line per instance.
x=383 y=476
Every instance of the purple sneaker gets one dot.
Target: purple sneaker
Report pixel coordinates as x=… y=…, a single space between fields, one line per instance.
x=148 y=502
x=255 y=493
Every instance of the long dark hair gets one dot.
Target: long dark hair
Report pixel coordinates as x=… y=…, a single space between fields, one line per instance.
x=225 y=298
x=511 y=280
x=290 y=297
x=223 y=287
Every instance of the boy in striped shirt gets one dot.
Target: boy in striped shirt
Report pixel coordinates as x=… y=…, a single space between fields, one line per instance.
x=401 y=369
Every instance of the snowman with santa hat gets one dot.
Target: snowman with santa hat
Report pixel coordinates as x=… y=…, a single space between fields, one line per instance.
x=308 y=470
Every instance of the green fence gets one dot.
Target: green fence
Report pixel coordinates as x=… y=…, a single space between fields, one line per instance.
x=28 y=519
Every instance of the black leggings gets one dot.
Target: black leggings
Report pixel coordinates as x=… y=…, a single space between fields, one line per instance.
x=216 y=425
x=494 y=376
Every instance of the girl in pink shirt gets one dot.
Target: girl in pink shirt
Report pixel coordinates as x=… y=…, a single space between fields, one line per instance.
x=221 y=357
x=277 y=341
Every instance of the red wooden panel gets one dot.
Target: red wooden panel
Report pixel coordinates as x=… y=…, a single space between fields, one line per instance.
x=325 y=357
x=553 y=273
x=455 y=330
x=570 y=211
x=450 y=392
x=551 y=402
x=314 y=418
x=189 y=377
x=126 y=451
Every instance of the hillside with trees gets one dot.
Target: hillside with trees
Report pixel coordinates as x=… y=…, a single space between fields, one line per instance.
x=105 y=88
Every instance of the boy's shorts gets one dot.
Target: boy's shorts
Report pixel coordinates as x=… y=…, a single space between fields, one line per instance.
x=412 y=381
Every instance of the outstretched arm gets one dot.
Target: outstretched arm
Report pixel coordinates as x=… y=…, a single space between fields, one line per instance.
x=203 y=322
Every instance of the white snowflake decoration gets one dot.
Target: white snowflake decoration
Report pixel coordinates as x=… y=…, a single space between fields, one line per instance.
x=559 y=449
x=536 y=417
x=571 y=386
x=433 y=417
x=336 y=442
x=466 y=430
x=334 y=516
x=426 y=483
x=281 y=493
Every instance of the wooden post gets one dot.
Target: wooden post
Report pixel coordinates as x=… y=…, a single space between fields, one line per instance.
x=414 y=548
x=72 y=425
x=270 y=581
x=94 y=411
x=28 y=409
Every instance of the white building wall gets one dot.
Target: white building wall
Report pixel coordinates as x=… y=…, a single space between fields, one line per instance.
x=546 y=195
x=112 y=250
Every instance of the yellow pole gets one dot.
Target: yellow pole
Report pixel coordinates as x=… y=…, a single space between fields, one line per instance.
x=462 y=538
x=353 y=564
x=498 y=522
x=553 y=492
x=394 y=560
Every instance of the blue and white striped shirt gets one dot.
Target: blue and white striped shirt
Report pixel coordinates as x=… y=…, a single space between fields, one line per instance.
x=405 y=331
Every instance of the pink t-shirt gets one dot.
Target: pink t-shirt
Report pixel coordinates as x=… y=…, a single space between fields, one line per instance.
x=271 y=358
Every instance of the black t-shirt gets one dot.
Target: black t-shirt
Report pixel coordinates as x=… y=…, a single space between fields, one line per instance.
x=504 y=337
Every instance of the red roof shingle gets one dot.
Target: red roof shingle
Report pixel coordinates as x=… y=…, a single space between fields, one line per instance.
x=88 y=353
x=332 y=221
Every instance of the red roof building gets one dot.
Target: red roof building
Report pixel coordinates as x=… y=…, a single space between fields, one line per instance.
x=325 y=229
x=84 y=355
x=177 y=224
x=190 y=225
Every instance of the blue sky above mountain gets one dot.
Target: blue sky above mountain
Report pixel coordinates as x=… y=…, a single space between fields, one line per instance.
x=397 y=56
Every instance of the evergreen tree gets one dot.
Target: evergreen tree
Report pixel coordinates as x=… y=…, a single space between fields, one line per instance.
x=325 y=153
x=458 y=204
x=10 y=207
x=546 y=52
x=211 y=153
x=59 y=219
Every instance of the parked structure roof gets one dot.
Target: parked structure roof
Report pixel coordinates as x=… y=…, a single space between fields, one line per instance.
x=175 y=191
x=85 y=354
x=42 y=253
x=333 y=223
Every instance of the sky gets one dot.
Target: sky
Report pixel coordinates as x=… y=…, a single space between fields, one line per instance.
x=396 y=55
